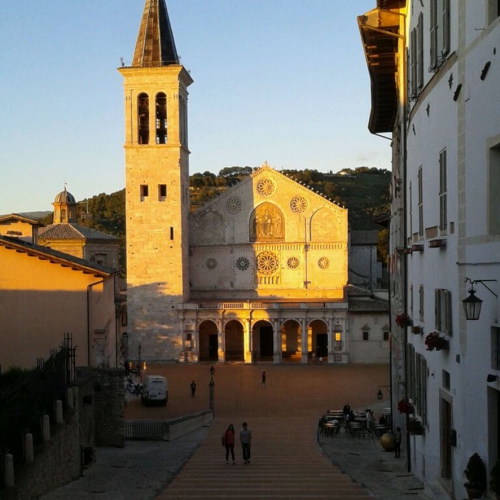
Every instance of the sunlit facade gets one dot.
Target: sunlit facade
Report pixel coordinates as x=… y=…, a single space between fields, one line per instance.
x=441 y=111
x=257 y=274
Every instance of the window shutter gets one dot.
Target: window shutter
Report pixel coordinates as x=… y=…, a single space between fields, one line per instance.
x=446 y=27
x=447 y=312
x=433 y=32
x=437 y=309
x=420 y=50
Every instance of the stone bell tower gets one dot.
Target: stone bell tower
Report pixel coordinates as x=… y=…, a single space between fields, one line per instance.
x=157 y=188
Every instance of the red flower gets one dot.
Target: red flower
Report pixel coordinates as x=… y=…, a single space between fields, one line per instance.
x=404 y=406
x=403 y=320
x=437 y=342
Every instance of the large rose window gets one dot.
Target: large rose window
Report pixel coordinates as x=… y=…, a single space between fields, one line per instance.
x=267 y=263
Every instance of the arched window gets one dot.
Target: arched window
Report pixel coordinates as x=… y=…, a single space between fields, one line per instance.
x=143 y=118
x=161 y=118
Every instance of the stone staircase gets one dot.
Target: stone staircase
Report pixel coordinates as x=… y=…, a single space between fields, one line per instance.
x=286 y=463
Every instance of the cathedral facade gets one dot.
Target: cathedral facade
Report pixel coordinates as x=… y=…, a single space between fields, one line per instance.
x=257 y=274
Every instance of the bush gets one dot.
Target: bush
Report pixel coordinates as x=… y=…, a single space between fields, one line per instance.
x=475 y=473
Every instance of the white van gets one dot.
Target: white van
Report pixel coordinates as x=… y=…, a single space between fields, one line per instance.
x=155 y=390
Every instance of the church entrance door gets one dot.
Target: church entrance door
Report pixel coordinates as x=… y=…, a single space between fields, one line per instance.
x=213 y=347
x=262 y=341
x=321 y=345
x=266 y=342
x=234 y=341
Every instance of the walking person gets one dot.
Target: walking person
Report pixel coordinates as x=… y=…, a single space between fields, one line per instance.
x=246 y=442
x=228 y=443
x=193 y=388
x=264 y=377
x=397 y=443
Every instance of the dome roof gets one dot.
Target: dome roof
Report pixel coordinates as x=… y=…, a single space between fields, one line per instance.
x=64 y=197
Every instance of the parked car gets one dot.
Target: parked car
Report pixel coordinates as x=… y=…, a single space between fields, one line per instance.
x=155 y=390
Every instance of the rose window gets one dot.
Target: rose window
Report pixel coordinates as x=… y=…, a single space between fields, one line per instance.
x=293 y=262
x=299 y=204
x=267 y=263
x=233 y=205
x=211 y=263
x=242 y=263
x=324 y=262
x=266 y=187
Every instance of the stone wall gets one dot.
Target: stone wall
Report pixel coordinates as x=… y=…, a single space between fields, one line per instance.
x=58 y=461
x=98 y=397
x=109 y=392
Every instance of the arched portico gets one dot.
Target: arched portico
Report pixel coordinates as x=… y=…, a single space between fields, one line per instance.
x=234 y=341
x=291 y=344
x=208 y=341
x=263 y=341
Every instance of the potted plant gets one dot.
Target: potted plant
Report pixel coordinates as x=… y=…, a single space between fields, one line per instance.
x=404 y=406
x=435 y=341
x=403 y=320
x=495 y=479
x=415 y=427
x=475 y=473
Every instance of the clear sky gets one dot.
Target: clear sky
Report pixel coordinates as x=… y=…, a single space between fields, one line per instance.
x=277 y=80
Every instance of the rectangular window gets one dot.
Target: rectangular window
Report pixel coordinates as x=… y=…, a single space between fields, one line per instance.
x=144 y=191
x=421 y=303
x=162 y=192
x=101 y=259
x=338 y=341
x=365 y=335
x=493 y=190
x=440 y=32
x=171 y=233
x=495 y=348
x=493 y=10
x=443 y=311
x=386 y=336
x=443 y=212
x=420 y=204
x=446 y=380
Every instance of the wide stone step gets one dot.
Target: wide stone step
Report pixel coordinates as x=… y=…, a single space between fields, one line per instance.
x=286 y=463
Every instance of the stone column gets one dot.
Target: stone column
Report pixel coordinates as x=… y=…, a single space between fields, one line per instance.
x=247 y=342
x=59 y=412
x=28 y=447
x=221 y=344
x=277 y=357
x=46 y=428
x=9 y=470
x=331 y=341
x=304 y=340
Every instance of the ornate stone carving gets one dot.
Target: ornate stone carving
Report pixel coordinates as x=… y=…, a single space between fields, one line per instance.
x=324 y=262
x=267 y=223
x=211 y=263
x=266 y=187
x=242 y=263
x=233 y=205
x=299 y=204
x=267 y=262
x=293 y=262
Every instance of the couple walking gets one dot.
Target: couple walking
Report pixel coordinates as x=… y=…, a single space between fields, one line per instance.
x=245 y=439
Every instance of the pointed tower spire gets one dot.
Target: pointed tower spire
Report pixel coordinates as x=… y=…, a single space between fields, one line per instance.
x=155 y=44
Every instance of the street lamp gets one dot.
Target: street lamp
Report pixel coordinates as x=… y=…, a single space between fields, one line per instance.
x=472 y=304
x=211 y=387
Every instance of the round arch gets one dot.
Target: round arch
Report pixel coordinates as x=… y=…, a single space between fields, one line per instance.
x=208 y=335
x=267 y=223
x=234 y=341
x=262 y=341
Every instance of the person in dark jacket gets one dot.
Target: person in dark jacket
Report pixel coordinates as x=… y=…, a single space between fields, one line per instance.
x=228 y=443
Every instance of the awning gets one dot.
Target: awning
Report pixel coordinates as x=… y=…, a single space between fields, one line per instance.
x=380 y=35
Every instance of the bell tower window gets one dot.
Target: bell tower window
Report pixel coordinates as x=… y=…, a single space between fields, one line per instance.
x=161 y=118
x=143 y=118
